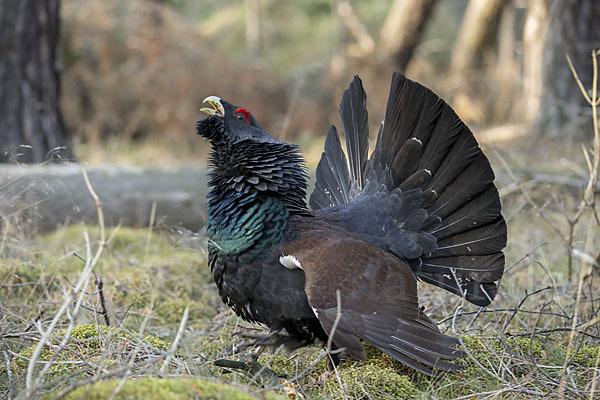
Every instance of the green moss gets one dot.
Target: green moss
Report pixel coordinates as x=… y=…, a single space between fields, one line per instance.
x=368 y=380
x=381 y=360
x=516 y=353
x=18 y=271
x=170 y=307
x=464 y=382
x=166 y=389
x=87 y=331
x=216 y=344
x=586 y=356
x=156 y=342
x=295 y=363
x=526 y=345
x=486 y=349
x=90 y=342
x=19 y=365
x=92 y=331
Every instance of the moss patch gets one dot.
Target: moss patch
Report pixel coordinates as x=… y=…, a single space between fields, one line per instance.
x=368 y=380
x=586 y=356
x=167 y=389
x=100 y=345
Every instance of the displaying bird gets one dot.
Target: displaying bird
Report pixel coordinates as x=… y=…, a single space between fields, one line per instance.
x=423 y=207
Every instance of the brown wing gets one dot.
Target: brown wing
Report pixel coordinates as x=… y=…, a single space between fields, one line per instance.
x=378 y=299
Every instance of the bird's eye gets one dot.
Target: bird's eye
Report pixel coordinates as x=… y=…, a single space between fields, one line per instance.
x=242 y=114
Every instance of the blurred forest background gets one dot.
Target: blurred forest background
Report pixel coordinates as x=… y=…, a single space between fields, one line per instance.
x=131 y=74
x=98 y=100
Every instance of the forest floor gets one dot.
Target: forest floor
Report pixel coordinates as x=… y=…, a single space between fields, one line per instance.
x=120 y=312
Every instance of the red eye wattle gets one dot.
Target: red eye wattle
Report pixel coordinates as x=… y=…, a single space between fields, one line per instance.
x=242 y=114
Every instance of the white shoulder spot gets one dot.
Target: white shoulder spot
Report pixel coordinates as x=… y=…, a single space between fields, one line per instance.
x=315 y=311
x=290 y=262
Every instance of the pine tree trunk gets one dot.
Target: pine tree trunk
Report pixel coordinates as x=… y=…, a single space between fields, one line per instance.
x=534 y=40
x=477 y=32
x=402 y=30
x=574 y=29
x=31 y=124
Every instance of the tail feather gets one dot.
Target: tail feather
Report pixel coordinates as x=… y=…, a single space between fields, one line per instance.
x=375 y=170
x=487 y=239
x=406 y=161
x=432 y=185
x=419 y=180
x=428 y=117
x=473 y=180
x=461 y=154
x=355 y=123
x=339 y=182
x=481 y=210
x=448 y=128
x=478 y=293
x=410 y=112
x=333 y=180
x=397 y=122
x=477 y=267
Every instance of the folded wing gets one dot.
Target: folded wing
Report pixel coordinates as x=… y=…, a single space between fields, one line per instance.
x=377 y=300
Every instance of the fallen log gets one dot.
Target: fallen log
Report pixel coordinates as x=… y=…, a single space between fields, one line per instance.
x=42 y=197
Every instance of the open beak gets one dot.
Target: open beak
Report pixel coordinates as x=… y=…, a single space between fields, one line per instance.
x=217 y=108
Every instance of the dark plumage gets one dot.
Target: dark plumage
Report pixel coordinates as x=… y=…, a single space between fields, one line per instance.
x=423 y=206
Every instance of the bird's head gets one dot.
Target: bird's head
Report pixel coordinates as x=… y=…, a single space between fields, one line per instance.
x=231 y=124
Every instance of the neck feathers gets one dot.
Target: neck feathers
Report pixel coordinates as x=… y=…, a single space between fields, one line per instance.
x=271 y=170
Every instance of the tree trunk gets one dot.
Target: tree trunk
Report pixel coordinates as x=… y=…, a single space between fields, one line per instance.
x=574 y=29
x=477 y=32
x=534 y=39
x=402 y=30
x=31 y=124
x=252 y=27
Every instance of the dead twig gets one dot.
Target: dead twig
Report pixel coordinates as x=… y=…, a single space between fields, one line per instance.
x=175 y=343
x=100 y=288
x=150 y=227
x=252 y=367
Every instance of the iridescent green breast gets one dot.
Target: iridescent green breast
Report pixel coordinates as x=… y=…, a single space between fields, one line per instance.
x=244 y=223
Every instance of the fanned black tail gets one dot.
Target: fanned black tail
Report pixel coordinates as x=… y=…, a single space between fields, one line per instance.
x=336 y=185
x=436 y=183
